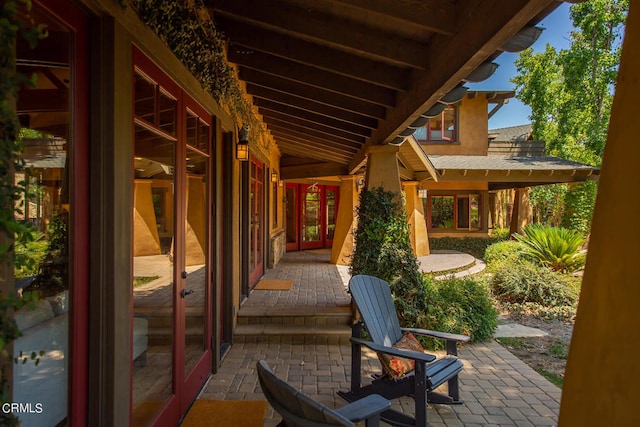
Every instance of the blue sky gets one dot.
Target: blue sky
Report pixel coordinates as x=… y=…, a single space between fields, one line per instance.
x=557 y=30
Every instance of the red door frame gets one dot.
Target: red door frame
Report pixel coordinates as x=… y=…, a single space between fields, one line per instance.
x=293 y=205
x=302 y=202
x=185 y=387
x=256 y=221
x=299 y=190
x=78 y=385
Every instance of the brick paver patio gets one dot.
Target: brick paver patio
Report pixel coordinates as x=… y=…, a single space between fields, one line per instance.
x=498 y=388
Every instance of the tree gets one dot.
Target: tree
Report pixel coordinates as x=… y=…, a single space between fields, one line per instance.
x=570 y=93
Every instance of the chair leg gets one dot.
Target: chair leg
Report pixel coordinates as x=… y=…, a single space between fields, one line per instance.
x=420 y=394
x=372 y=422
x=454 y=389
x=356 y=357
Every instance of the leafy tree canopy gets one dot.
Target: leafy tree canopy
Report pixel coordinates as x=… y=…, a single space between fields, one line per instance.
x=570 y=92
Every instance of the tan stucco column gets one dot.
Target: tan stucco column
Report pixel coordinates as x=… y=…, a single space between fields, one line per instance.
x=415 y=219
x=382 y=168
x=522 y=213
x=145 y=231
x=603 y=373
x=346 y=221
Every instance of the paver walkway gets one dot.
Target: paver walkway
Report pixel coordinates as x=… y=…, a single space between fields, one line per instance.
x=498 y=388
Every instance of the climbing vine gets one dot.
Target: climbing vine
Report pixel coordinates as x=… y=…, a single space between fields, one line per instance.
x=15 y=22
x=185 y=26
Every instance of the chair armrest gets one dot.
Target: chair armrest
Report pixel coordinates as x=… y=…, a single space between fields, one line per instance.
x=443 y=335
x=408 y=354
x=364 y=408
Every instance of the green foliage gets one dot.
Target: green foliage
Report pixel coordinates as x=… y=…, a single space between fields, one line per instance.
x=547 y=203
x=580 y=201
x=500 y=234
x=508 y=251
x=461 y=306
x=475 y=246
x=29 y=255
x=570 y=93
x=553 y=247
x=527 y=283
x=383 y=249
x=382 y=239
x=14 y=22
x=186 y=28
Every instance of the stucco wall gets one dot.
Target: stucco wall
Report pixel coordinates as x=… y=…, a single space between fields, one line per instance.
x=473 y=129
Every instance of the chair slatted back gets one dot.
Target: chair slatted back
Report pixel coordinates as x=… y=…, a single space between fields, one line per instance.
x=375 y=304
x=296 y=408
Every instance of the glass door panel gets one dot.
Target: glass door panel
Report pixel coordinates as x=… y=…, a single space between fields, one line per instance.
x=153 y=290
x=43 y=266
x=256 y=260
x=331 y=210
x=311 y=217
x=292 y=217
x=194 y=293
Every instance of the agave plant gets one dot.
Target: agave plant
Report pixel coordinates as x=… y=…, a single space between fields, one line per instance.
x=557 y=248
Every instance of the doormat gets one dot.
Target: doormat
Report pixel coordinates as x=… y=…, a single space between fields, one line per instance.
x=225 y=413
x=143 y=412
x=274 y=285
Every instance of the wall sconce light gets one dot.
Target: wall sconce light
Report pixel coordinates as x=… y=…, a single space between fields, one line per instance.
x=242 y=148
x=422 y=193
x=274 y=176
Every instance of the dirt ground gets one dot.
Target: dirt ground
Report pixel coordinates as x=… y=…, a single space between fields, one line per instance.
x=547 y=355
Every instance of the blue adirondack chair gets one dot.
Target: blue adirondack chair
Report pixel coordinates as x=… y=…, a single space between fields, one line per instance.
x=372 y=297
x=299 y=410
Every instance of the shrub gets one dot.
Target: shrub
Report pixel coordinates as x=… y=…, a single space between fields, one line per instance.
x=525 y=282
x=382 y=240
x=383 y=249
x=557 y=248
x=475 y=246
x=508 y=251
x=460 y=306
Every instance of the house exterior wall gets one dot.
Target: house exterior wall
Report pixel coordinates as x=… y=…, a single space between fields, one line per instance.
x=115 y=32
x=473 y=127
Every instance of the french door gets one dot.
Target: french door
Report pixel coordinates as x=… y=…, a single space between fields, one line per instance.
x=256 y=221
x=171 y=286
x=311 y=215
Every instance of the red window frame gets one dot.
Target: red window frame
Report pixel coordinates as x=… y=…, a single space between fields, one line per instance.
x=441 y=118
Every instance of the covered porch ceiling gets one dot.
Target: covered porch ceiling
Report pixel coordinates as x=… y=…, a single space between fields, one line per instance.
x=332 y=77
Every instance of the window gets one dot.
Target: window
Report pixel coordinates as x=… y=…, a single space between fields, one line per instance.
x=453 y=212
x=443 y=127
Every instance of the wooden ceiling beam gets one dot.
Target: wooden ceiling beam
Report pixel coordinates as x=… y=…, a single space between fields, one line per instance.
x=294 y=128
x=331 y=141
x=488 y=25
x=310 y=105
x=295 y=112
x=270 y=116
x=438 y=16
x=298 y=149
x=278 y=132
x=312 y=170
x=313 y=76
x=315 y=26
x=314 y=55
x=316 y=94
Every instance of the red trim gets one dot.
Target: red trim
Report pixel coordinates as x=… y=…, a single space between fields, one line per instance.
x=185 y=384
x=78 y=386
